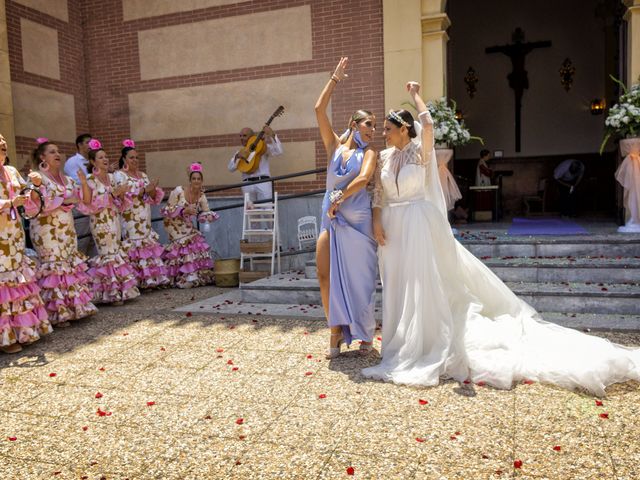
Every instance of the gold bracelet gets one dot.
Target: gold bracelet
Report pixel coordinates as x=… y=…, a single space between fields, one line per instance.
x=335 y=78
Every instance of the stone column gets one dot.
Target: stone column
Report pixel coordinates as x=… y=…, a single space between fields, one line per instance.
x=632 y=16
x=6 y=102
x=434 y=53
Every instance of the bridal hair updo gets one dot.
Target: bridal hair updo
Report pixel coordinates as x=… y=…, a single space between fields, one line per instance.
x=358 y=116
x=402 y=118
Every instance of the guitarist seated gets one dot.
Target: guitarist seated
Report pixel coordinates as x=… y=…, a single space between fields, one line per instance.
x=260 y=191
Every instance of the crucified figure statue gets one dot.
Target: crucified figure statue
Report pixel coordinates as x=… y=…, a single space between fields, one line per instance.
x=518 y=78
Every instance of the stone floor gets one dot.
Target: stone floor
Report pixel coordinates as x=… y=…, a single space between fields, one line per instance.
x=146 y=392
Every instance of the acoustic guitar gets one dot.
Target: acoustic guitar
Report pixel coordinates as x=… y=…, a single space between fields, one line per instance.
x=252 y=152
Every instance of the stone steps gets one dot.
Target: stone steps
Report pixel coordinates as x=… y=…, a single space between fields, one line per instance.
x=565 y=297
x=554 y=269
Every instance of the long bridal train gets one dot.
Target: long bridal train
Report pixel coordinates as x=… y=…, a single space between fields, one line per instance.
x=446 y=314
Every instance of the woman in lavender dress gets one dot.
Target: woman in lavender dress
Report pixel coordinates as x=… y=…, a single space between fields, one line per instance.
x=346 y=251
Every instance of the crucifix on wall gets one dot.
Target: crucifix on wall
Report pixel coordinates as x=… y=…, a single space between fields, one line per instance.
x=518 y=79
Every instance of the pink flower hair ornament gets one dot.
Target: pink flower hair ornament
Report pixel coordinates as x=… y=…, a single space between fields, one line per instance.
x=94 y=144
x=128 y=143
x=41 y=140
x=195 y=167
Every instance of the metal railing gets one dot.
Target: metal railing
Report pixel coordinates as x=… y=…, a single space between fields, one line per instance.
x=233 y=186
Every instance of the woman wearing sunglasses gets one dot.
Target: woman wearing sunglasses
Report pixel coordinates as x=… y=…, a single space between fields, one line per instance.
x=346 y=251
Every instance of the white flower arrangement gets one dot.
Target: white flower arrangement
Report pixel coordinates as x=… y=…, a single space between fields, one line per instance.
x=447 y=129
x=623 y=119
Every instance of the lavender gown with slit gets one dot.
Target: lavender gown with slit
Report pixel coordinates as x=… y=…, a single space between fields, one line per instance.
x=353 y=262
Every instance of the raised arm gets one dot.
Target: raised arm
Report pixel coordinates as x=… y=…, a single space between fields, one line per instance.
x=329 y=137
x=423 y=113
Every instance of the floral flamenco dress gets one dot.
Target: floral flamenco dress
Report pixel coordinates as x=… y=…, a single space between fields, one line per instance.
x=188 y=256
x=62 y=274
x=140 y=241
x=113 y=280
x=23 y=317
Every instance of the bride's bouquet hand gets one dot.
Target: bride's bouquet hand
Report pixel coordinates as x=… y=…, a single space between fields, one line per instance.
x=342 y=66
x=378 y=234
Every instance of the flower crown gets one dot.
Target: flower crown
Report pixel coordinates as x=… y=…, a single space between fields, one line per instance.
x=128 y=143
x=195 y=167
x=94 y=144
x=397 y=118
x=41 y=140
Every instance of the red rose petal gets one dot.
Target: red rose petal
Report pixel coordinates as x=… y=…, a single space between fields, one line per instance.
x=557 y=448
x=351 y=471
x=517 y=464
x=308 y=373
x=219 y=350
x=481 y=383
x=102 y=413
x=229 y=362
x=85 y=428
x=604 y=415
x=151 y=404
x=234 y=369
x=208 y=417
x=52 y=374
x=457 y=433
x=241 y=437
x=423 y=402
x=498 y=472
x=57 y=473
x=125 y=334
x=240 y=421
x=162 y=349
x=12 y=439
x=99 y=395
x=238 y=462
x=102 y=369
x=188 y=314
x=453 y=437
x=309 y=356
x=527 y=382
x=599 y=403
x=322 y=395
x=467 y=382
x=419 y=440
x=485 y=456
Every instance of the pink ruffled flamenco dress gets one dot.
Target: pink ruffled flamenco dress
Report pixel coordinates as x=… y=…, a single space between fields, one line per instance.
x=23 y=318
x=188 y=256
x=113 y=279
x=62 y=274
x=140 y=241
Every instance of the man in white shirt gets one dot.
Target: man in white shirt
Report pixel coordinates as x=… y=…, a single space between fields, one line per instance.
x=79 y=160
x=260 y=191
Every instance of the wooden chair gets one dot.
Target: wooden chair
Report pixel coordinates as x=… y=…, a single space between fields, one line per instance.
x=540 y=198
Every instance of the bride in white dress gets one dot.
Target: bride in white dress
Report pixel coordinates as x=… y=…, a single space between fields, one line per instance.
x=445 y=314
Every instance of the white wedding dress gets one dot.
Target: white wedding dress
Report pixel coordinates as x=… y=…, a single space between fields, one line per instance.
x=445 y=314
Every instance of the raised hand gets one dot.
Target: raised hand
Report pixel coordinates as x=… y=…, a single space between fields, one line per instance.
x=81 y=176
x=342 y=66
x=413 y=88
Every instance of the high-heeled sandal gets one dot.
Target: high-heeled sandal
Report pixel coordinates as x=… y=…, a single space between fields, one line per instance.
x=365 y=348
x=334 y=351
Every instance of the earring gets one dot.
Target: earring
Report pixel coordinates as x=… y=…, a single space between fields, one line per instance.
x=44 y=166
x=125 y=167
x=96 y=171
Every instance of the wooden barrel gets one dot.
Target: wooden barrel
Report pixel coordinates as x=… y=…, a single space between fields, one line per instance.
x=226 y=272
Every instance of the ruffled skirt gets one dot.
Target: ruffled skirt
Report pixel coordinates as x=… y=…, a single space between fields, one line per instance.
x=145 y=256
x=65 y=289
x=23 y=318
x=113 y=279
x=189 y=262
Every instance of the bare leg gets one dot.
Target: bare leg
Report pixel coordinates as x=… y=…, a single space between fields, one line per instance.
x=322 y=266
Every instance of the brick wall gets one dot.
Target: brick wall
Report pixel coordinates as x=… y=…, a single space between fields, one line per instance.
x=72 y=73
x=338 y=28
